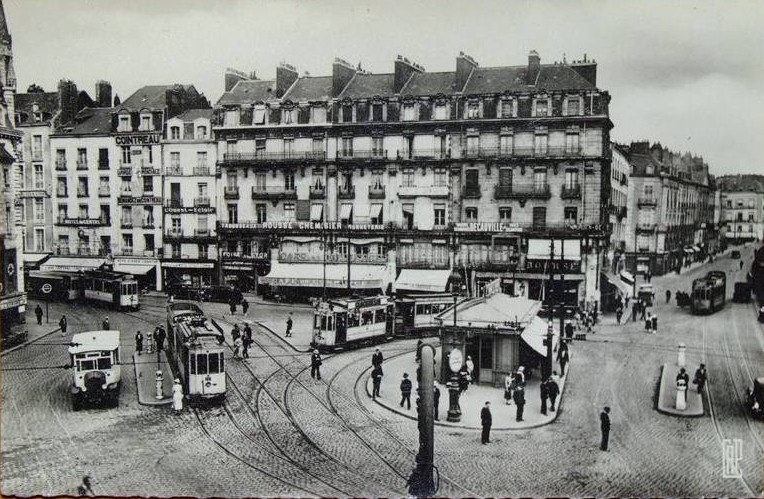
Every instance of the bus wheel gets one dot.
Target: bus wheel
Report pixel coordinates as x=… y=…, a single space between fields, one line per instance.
x=76 y=403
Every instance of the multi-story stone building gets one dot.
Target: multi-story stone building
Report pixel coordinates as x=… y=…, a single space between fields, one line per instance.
x=189 y=153
x=12 y=295
x=620 y=171
x=670 y=215
x=108 y=166
x=447 y=178
x=742 y=204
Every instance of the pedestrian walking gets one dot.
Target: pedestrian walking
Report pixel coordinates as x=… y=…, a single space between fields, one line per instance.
x=618 y=314
x=648 y=323
x=315 y=365
x=605 y=427
x=237 y=343
x=700 y=378
x=634 y=311
x=464 y=378
x=376 y=382
x=520 y=377
x=486 y=420
x=244 y=306
x=177 y=396
x=159 y=338
x=519 y=398
x=642 y=309
x=436 y=398
x=139 y=342
x=654 y=323
x=552 y=389
x=741 y=264
x=648 y=276
x=233 y=306
x=38 y=314
x=668 y=295
x=543 y=389
x=377 y=358
x=509 y=381
x=235 y=332
x=85 y=489
x=105 y=323
x=246 y=341
x=470 y=369
x=569 y=330
x=563 y=357
x=63 y=324
x=406 y=391
x=289 y=325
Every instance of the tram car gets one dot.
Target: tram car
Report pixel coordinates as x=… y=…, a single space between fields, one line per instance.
x=709 y=293
x=349 y=322
x=757 y=275
x=415 y=314
x=114 y=288
x=197 y=353
x=58 y=286
x=97 y=374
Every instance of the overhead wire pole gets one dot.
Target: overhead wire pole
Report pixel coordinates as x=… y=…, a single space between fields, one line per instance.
x=421 y=482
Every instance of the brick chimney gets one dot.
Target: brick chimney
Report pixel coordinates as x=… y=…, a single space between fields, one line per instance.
x=587 y=69
x=342 y=73
x=67 y=101
x=534 y=66
x=103 y=93
x=286 y=75
x=234 y=76
x=464 y=66
x=403 y=71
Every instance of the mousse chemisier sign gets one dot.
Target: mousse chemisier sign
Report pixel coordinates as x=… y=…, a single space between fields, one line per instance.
x=306 y=226
x=138 y=139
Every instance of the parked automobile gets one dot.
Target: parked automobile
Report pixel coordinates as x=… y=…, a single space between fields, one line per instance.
x=755 y=398
x=223 y=294
x=181 y=291
x=646 y=292
x=742 y=293
x=735 y=254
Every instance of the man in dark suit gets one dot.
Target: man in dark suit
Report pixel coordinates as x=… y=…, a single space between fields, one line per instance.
x=486 y=420
x=519 y=397
x=605 y=427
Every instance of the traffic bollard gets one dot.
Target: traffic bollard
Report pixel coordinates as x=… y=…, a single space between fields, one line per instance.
x=159 y=380
x=681 y=361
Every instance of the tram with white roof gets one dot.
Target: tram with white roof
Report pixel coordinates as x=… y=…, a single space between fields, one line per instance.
x=349 y=322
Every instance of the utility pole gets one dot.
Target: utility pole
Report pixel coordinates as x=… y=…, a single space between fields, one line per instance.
x=562 y=290
x=348 y=258
x=547 y=370
x=421 y=482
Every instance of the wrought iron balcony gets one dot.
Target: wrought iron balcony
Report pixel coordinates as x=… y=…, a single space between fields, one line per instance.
x=201 y=170
x=231 y=192
x=173 y=170
x=237 y=158
x=502 y=192
x=346 y=193
x=104 y=192
x=572 y=192
x=434 y=191
x=82 y=164
x=377 y=192
x=317 y=192
x=201 y=201
x=647 y=202
x=531 y=192
x=273 y=195
x=126 y=224
x=61 y=165
x=148 y=224
x=174 y=233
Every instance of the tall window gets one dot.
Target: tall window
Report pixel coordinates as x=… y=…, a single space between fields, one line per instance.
x=574 y=107
x=441 y=111
x=148 y=242
x=539 y=217
x=473 y=145
x=202 y=189
x=507 y=108
x=39 y=211
x=319 y=114
x=505 y=177
x=409 y=111
x=60 y=159
x=288 y=147
x=83 y=211
x=201 y=132
x=126 y=159
x=571 y=179
x=347 y=113
x=62 y=213
x=39 y=181
x=175 y=250
x=105 y=214
x=82 y=159
x=201 y=224
x=39 y=240
x=505 y=214
x=204 y=251
x=540 y=143
x=376 y=112
x=124 y=123
x=290 y=116
x=233 y=214
x=145 y=122
x=201 y=160
x=260 y=213
x=439 y=214
x=542 y=107
x=376 y=147
x=471 y=214
x=37 y=148
x=572 y=143
x=61 y=190
x=407 y=177
x=571 y=215
x=473 y=109
x=440 y=177
x=82 y=187
x=127 y=216
x=260 y=182
x=148 y=184
x=174 y=133
x=259 y=115
x=317 y=145
x=289 y=212
x=539 y=180
x=175 y=161
x=127 y=242
x=103 y=158
x=347 y=146
x=505 y=144
x=148 y=216
x=289 y=181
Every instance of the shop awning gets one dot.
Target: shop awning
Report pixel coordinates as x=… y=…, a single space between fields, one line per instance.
x=346 y=211
x=311 y=275
x=495 y=310
x=316 y=212
x=132 y=268
x=32 y=260
x=535 y=334
x=72 y=263
x=434 y=281
x=375 y=210
x=624 y=288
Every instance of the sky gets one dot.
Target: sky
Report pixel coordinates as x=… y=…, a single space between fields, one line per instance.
x=687 y=74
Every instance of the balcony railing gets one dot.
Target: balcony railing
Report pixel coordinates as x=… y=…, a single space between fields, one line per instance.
x=434 y=191
x=201 y=170
x=126 y=250
x=61 y=165
x=471 y=192
x=61 y=193
x=201 y=232
x=346 y=193
x=421 y=263
x=175 y=232
x=647 y=202
x=646 y=227
x=82 y=164
x=270 y=157
x=273 y=194
x=104 y=192
x=103 y=165
x=201 y=201
x=317 y=192
x=125 y=171
x=82 y=193
x=523 y=192
x=174 y=203
x=173 y=170
x=148 y=224
x=355 y=154
x=571 y=192
x=424 y=154
x=126 y=224
x=377 y=192
x=502 y=192
x=231 y=192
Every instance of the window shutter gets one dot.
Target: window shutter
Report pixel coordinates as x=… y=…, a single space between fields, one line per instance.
x=158 y=121
x=303 y=115
x=275 y=116
x=524 y=108
x=245 y=116
x=556 y=106
x=188 y=131
x=425 y=111
x=489 y=108
x=393 y=111
x=362 y=112
x=135 y=118
x=302 y=210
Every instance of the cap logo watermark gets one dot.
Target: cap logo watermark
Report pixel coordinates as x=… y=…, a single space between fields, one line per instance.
x=732 y=454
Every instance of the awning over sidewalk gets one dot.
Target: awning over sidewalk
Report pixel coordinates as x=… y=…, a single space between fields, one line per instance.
x=72 y=263
x=616 y=281
x=535 y=334
x=311 y=275
x=33 y=260
x=434 y=281
x=132 y=268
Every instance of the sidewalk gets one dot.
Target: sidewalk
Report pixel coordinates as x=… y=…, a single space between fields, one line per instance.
x=471 y=401
x=146 y=366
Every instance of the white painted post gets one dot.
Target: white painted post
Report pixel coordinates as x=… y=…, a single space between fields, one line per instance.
x=159 y=379
x=681 y=361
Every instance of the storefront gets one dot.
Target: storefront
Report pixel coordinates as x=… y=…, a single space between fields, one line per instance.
x=243 y=271
x=422 y=281
x=72 y=263
x=146 y=270
x=195 y=273
x=13 y=300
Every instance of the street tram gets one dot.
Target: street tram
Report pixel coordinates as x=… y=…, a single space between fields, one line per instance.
x=709 y=293
x=196 y=352
x=51 y=285
x=350 y=322
x=97 y=374
x=114 y=288
x=415 y=314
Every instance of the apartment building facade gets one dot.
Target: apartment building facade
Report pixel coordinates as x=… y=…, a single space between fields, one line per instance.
x=449 y=180
x=742 y=206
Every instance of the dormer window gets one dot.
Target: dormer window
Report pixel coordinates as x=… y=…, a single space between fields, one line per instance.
x=409 y=112
x=259 y=117
x=542 y=107
x=232 y=117
x=573 y=107
x=174 y=133
x=318 y=114
x=473 y=110
x=146 y=123
x=201 y=132
x=347 y=113
x=441 y=111
x=124 y=123
x=290 y=116
x=507 y=108
x=376 y=112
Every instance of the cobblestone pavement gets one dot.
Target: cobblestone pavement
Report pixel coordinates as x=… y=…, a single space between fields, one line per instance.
x=282 y=433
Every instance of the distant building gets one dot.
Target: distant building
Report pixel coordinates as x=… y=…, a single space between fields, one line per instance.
x=742 y=206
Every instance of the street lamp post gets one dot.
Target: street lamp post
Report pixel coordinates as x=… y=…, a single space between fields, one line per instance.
x=348 y=258
x=454 y=364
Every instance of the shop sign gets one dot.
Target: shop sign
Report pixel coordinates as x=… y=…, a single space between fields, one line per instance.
x=82 y=221
x=180 y=210
x=188 y=265
x=143 y=139
x=135 y=261
x=246 y=266
x=330 y=258
x=239 y=256
x=139 y=200
x=554 y=266
x=12 y=302
x=308 y=226
x=487 y=227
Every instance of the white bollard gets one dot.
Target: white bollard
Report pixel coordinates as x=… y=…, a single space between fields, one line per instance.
x=159 y=379
x=681 y=361
x=681 y=401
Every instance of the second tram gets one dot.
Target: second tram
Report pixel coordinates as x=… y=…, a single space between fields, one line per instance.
x=114 y=288
x=348 y=322
x=61 y=286
x=709 y=293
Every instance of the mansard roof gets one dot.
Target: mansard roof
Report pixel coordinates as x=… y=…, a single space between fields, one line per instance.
x=151 y=97
x=421 y=84
x=195 y=114
x=366 y=86
x=248 y=92
x=89 y=121
x=47 y=103
x=310 y=88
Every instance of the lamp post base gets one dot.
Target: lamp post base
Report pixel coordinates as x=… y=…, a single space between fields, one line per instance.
x=454 y=411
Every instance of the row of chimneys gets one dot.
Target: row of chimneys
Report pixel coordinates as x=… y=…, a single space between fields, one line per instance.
x=71 y=101
x=343 y=72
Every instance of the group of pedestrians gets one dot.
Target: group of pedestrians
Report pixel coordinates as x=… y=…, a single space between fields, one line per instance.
x=514 y=391
x=242 y=340
x=234 y=302
x=158 y=337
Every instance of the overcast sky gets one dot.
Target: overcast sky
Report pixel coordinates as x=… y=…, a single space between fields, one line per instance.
x=687 y=74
